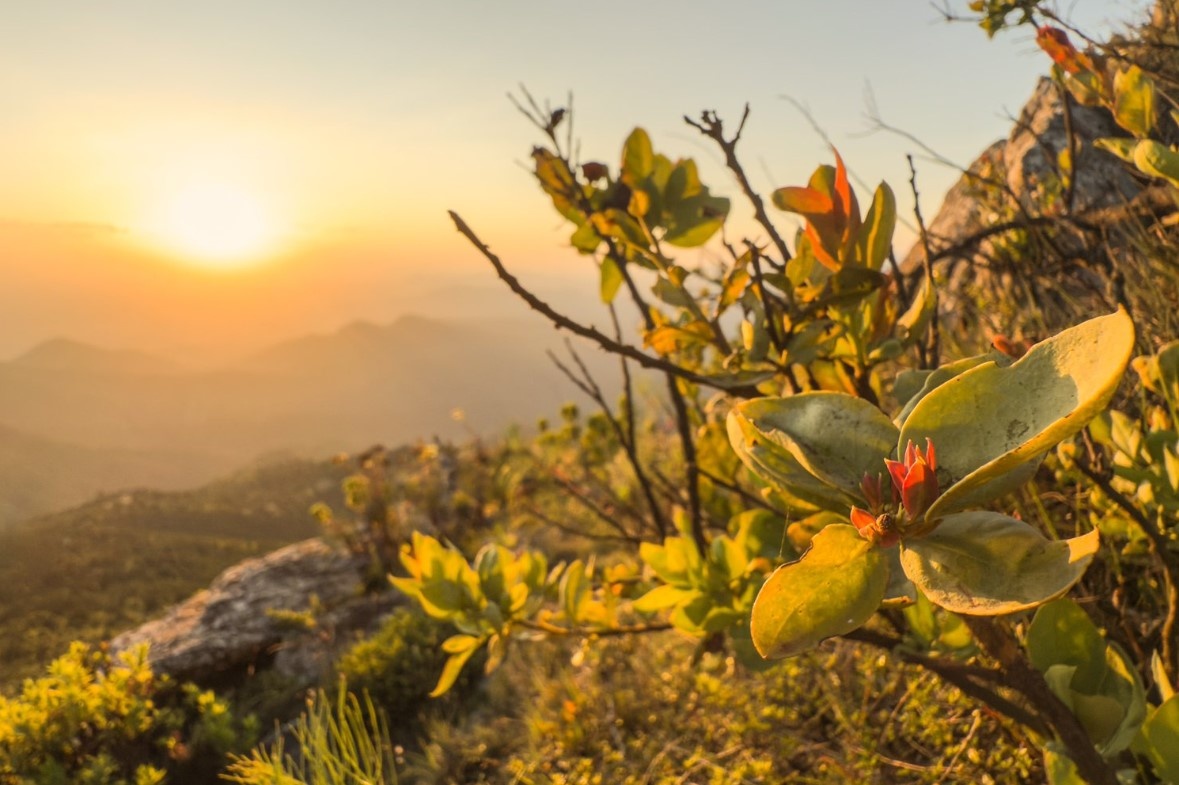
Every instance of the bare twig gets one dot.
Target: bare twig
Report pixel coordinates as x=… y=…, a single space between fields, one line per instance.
x=737 y=490
x=711 y=126
x=590 y=387
x=604 y=341
x=932 y=351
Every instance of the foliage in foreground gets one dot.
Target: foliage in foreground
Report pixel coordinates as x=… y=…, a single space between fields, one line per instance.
x=95 y=720
x=336 y=741
x=885 y=466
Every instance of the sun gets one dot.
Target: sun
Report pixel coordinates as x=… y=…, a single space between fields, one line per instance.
x=215 y=223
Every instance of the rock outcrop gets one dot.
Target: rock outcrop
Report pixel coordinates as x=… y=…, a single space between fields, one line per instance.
x=1018 y=179
x=1024 y=166
x=259 y=610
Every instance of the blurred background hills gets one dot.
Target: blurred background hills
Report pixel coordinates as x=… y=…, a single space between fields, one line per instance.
x=78 y=420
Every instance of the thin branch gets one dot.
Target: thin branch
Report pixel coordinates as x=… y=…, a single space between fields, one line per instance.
x=998 y=642
x=596 y=632
x=933 y=351
x=575 y=532
x=691 y=467
x=604 y=341
x=737 y=490
x=958 y=674
x=591 y=388
x=711 y=126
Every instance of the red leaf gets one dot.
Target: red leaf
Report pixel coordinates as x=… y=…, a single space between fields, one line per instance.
x=803 y=200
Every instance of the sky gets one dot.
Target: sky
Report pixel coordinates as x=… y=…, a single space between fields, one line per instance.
x=326 y=141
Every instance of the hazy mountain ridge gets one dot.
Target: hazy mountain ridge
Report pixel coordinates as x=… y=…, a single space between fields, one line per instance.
x=102 y=419
x=66 y=354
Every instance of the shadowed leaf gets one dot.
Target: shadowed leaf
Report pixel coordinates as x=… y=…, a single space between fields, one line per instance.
x=987 y=564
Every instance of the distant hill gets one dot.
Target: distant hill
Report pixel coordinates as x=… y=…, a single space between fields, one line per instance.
x=76 y=419
x=39 y=475
x=68 y=355
x=94 y=570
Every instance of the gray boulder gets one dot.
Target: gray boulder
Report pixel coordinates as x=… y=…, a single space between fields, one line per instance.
x=252 y=613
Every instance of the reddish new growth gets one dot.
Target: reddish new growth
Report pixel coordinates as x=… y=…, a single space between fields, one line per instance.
x=914 y=488
x=1055 y=43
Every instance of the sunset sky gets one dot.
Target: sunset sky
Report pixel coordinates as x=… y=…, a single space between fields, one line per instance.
x=325 y=142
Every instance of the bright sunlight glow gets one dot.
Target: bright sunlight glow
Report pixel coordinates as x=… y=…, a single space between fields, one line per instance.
x=215 y=224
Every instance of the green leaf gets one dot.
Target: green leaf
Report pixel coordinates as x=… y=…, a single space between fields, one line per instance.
x=1062 y=634
x=1161 y=680
x=682 y=183
x=451 y=670
x=836 y=438
x=774 y=465
x=900 y=591
x=1121 y=146
x=1159 y=740
x=875 y=237
x=673 y=294
x=457 y=644
x=931 y=380
x=586 y=239
x=663 y=597
x=638 y=159
x=1123 y=684
x=693 y=221
x=987 y=564
x=1134 y=101
x=915 y=320
x=611 y=278
x=990 y=420
x=442 y=599
x=1157 y=160
x=735 y=282
x=834 y=588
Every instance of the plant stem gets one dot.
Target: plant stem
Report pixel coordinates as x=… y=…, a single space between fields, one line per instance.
x=998 y=642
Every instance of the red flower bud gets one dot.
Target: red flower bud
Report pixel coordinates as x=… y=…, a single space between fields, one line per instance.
x=915 y=479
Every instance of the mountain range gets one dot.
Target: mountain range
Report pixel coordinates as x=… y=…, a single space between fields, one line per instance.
x=78 y=420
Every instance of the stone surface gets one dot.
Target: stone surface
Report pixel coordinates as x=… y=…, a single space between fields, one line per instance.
x=233 y=624
x=1015 y=179
x=1023 y=166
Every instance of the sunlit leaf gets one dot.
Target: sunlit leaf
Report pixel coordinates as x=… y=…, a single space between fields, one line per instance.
x=989 y=420
x=1159 y=740
x=611 y=277
x=833 y=589
x=586 y=239
x=638 y=159
x=663 y=597
x=803 y=200
x=836 y=438
x=1059 y=767
x=1120 y=146
x=1157 y=160
x=451 y=671
x=682 y=183
x=1134 y=101
x=875 y=236
x=987 y=564
x=695 y=220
